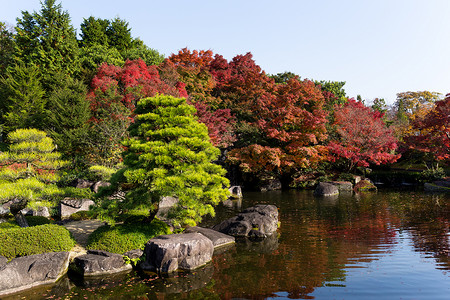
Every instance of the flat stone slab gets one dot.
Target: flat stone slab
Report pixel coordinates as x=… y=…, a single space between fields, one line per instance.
x=70 y=206
x=97 y=262
x=30 y=271
x=168 y=253
x=218 y=239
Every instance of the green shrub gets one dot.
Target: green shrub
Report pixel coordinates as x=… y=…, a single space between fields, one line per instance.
x=37 y=220
x=73 y=192
x=431 y=175
x=124 y=237
x=101 y=173
x=9 y=224
x=83 y=215
x=34 y=240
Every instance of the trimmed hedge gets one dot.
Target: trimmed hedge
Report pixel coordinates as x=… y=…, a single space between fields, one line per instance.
x=34 y=240
x=125 y=237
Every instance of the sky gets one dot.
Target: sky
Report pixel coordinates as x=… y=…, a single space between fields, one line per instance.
x=378 y=47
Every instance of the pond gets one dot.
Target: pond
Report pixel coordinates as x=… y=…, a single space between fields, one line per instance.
x=386 y=245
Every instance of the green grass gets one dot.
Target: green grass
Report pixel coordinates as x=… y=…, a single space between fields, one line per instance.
x=124 y=237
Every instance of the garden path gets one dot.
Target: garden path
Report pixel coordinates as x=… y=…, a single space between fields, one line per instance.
x=81 y=231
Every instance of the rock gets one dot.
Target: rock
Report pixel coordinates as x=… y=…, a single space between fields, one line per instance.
x=41 y=211
x=133 y=254
x=235 y=191
x=217 y=238
x=81 y=183
x=29 y=271
x=99 y=184
x=167 y=253
x=69 y=206
x=433 y=187
x=165 y=205
x=3 y=261
x=326 y=189
x=259 y=221
x=343 y=186
x=270 y=185
x=97 y=262
x=365 y=185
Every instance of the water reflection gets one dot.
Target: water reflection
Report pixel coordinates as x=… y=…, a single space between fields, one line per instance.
x=383 y=245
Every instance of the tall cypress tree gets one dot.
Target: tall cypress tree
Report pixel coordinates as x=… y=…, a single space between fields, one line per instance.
x=47 y=39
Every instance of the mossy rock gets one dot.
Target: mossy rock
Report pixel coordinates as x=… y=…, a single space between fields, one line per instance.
x=365 y=186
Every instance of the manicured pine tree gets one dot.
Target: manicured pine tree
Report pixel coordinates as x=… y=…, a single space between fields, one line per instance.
x=28 y=171
x=170 y=154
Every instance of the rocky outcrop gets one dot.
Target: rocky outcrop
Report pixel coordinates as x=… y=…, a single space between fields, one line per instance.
x=69 y=206
x=3 y=261
x=326 y=189
x=168 y=253
x=217 y=238
x=254 y=222
x=97 y=262
x=29 y=271
x=365 y=185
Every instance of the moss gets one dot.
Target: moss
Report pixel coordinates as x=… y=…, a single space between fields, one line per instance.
x=34 y=240
x=125 y=237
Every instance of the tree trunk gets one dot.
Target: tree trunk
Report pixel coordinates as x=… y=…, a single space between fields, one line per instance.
x=20 y=219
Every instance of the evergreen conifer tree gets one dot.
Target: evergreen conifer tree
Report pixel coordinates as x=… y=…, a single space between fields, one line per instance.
x=170 y=154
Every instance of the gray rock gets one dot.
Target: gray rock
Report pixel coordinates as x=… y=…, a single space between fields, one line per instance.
x=41 y=211
x=81 y=183
x=133 y=254
x=69 y=206
x=326 y=189
x=343 y=186
x=258 y=221
x=165 y=205
x=29 y=271
x=3 y=261
x=235 y=191
x=99 y=184
x=97 y=262
x=217 y=238
x=167 y=253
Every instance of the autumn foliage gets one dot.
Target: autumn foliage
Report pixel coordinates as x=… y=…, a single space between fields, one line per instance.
x=362 y=137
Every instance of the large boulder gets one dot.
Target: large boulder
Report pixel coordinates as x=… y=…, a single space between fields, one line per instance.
x=258 y=221
x=217 y=238
x=326 y=189
x=69 y=206
x=365 y=185
x=41 y=211
x=165 y=205
x=97 y=262
x=235 y=192
x=343 y=186
x=168 y=253
x=29 y=271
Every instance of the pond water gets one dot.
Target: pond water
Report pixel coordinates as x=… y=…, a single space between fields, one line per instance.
x=386 y=245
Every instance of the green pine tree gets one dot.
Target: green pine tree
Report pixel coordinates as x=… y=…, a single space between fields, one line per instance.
x=28 y=171
x=170 y=154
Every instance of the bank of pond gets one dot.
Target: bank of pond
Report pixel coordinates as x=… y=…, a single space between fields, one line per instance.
x=388 y=244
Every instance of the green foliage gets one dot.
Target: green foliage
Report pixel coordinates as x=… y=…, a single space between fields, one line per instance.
x=170 y=154
x=73 y=192
x=101 y=173
x=83 y=215
x=432 y=174
x=23 y=103
x=148 y=55
x=47 y=40
x=124 y=237
x=34 y=240
x=6 y=46
x=37 y=220
x=28 y=170
x=68 y=114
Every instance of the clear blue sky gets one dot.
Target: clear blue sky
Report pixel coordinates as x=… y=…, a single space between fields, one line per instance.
x=379 y=47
